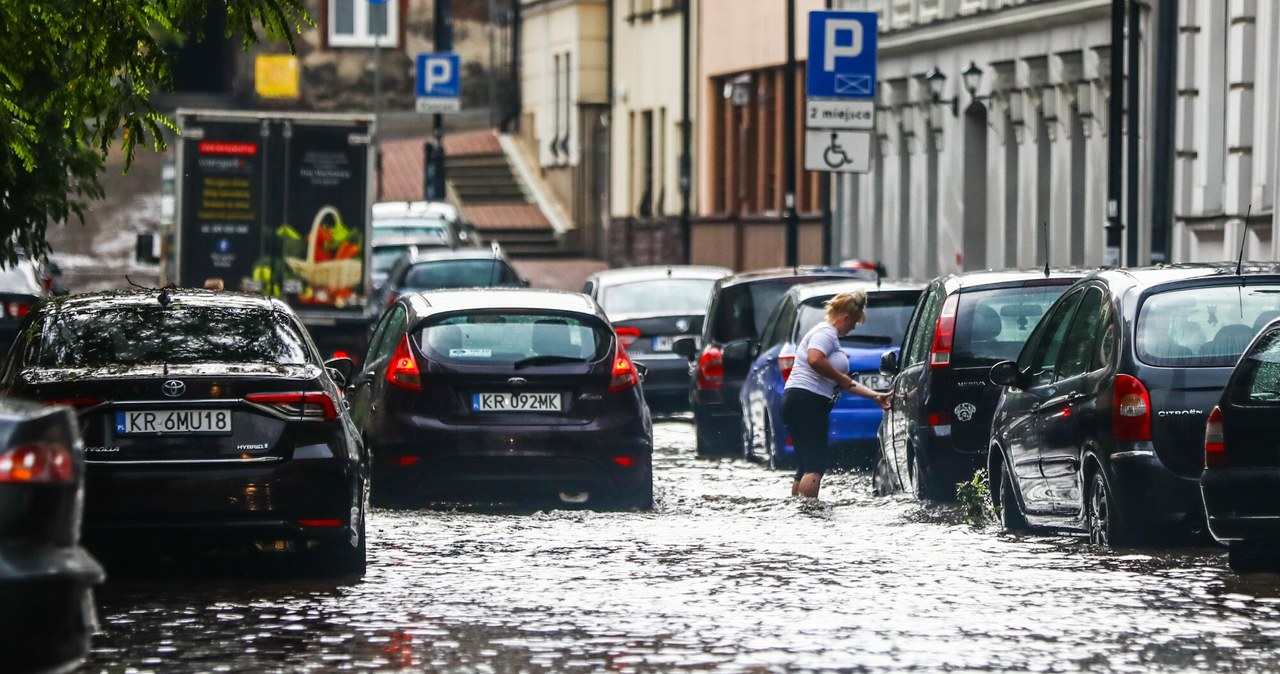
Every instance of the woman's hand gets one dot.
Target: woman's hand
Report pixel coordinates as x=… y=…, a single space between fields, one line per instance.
x=882 y=399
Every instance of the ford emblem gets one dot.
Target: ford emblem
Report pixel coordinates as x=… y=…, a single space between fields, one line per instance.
x=173 y=388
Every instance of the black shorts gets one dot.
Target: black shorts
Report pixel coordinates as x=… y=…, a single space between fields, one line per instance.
x=807 y=416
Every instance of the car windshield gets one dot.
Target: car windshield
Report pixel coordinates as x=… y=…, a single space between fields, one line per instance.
x=476 y=273
x=887 y=317
x=659 y=296
x=510 y=338
x=19 y=279
x=1203 y=326
x=137 y=334
x=992 y=325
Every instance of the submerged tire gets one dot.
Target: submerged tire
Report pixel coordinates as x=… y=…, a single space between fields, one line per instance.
x=1011 y=516
x=1102 y=519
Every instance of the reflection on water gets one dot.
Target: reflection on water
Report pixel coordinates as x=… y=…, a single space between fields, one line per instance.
x=727 y=574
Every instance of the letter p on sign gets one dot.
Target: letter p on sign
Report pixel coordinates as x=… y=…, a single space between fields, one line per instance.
x=439 y=71
x=836 y=50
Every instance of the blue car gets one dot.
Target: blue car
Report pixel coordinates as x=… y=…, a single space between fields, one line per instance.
x=854 y=420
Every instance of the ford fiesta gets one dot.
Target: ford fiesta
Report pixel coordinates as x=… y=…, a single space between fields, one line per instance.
x=503 y=395
x=208 y=420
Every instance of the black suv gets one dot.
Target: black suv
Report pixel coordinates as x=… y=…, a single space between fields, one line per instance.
x=740 y=306
x=1102 y=421
x=935 y=433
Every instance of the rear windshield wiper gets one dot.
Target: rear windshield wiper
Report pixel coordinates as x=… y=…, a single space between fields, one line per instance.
x=546 y=360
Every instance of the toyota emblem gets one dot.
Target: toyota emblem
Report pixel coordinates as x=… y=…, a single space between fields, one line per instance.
x=682 y=325
x=517 y=381
x=173 y=388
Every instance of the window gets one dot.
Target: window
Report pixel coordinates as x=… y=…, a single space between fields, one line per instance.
x=357 y=23
x=887 y=316
x=992 y=325
x=1080 y=352
x=1203 y=327
x=926 y=318
x=658 y=297
x=1259 y=378
x=500 y=337
x=1044 y=359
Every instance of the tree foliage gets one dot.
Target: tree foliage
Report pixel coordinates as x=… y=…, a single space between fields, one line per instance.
x=76 y=76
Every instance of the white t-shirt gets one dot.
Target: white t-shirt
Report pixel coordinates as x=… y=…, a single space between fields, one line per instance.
x=822 y=337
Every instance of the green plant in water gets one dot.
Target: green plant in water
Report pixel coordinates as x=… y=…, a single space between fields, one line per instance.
x=975 y=497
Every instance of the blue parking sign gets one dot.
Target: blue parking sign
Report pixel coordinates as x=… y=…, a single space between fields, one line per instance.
x=438 y=76
x=842 y=55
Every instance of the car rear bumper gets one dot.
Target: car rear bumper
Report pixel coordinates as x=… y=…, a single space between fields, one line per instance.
x=47 y=599
x=1149 y=493
x=300 y=500
x=855 y=424
x=939 y=450
x=1240 y=503
x=667 y=380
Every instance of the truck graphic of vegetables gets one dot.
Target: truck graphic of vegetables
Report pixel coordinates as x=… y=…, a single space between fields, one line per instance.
x=333 y=264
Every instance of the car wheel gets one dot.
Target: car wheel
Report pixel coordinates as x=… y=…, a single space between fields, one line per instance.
x=1011 y=516
x=1252 y=557
x=882 y=480
x=1101 y=516
x=748 y=439
x=929 y=485
x=777 y=460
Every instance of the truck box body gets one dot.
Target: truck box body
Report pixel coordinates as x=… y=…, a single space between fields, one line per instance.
x=279 y=204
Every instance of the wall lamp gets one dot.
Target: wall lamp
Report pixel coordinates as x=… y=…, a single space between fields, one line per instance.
x=972 y=77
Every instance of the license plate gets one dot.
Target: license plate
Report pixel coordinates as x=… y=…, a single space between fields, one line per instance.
x=876 y=382
x=516 y=402
x=662 y=343
x=160 y=422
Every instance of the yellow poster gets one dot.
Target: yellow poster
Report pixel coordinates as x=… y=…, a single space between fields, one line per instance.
x=276 y=76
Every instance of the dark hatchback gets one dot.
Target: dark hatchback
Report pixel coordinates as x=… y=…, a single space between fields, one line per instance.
x=1101 y=424
x=495 y=396
x=650 y=307
x=21 y=285
x=46 y=578
x=419 y=269
x=935 y=434
x=1241 y=476
x=740 y=306
x=208 y=419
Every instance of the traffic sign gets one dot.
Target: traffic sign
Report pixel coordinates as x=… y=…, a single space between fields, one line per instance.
x=842 y=55
x=438 y=84
x=840 y=151
x=838 y=114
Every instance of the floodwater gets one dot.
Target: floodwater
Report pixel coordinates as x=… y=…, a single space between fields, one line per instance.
x=728 y=574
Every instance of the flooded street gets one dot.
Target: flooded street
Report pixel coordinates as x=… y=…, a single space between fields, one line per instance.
x=727 y=574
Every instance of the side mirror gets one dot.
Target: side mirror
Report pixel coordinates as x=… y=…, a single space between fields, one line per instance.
x=685 y=346
x=1005 y=373
x=340 y=369
x=889 y=363
x=738 y=352
x=147 y=248
x=641 y=369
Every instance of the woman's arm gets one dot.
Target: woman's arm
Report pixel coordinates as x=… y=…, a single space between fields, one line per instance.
x=818 y=361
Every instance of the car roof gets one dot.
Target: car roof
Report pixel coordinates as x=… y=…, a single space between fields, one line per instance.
x=983 y=277
x=648 y=273
x=110 y=299
x=1147 y=277
x=438 y=254
x=408 y=209
x=396 y=239
x=807 y=291
x=435 y=301
x=801 y=271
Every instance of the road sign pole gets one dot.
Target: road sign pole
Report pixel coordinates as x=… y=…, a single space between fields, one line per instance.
x=789 y=215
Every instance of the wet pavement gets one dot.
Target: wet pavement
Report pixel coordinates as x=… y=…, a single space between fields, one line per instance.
x=726 y=575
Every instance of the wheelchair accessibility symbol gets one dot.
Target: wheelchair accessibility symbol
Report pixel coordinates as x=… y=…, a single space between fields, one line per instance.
x=842 y=151
x=834 y=155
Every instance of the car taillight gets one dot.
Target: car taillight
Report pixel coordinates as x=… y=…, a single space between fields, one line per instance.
x=403 y=370
x=40 y=463
x=315 y=405
x=1215 y=450
x=710 y=368
x=624 y=371
x=17 y=309
x=943 y=333
x=785 y=363
x=1131 y=412
x=627 y=334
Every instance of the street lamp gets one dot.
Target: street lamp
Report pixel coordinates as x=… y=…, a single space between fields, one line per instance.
x=937 y=81
x=972 y=77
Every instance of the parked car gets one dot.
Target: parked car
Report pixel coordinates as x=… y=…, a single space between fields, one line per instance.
x=410 y=217
x=417 y=270
x=209 y=422
x=854 y=420
x=650 y=307
x=390 y=244
x=935 y=433
x=21 y=286
x=1241 y=466
x=740 y=305
x=46 y=577
x=1102 y=421
x=503 y=395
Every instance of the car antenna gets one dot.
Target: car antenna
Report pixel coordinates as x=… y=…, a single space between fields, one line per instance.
x=1044 y=234
x=1244 y=234
x=493 y=266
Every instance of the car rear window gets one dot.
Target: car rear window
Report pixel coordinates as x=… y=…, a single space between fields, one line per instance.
x=427 y=230
x=887 y=316
x=742 y=309
x=135 y=335
x=384 y=257
x=19 y=279
x=1203 y=326
x=504 y=338
x=993 y=324
x=478 y=273
x=1258 y=379
x=666 y=296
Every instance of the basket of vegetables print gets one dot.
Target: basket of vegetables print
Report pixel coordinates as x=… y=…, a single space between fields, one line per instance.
x=333 y=259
